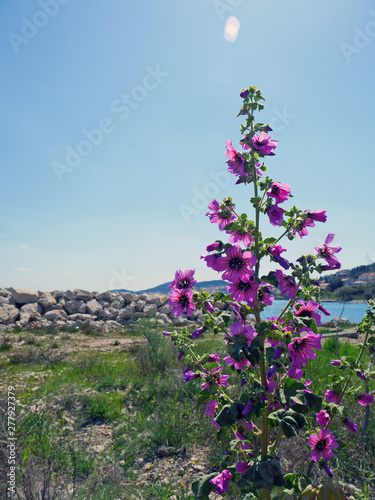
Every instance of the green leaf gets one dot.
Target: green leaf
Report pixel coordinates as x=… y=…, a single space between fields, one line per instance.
x=314 y=401
x=270 y=354
x=270 y=278
x=202 y=487
x=236 y=409
x=203 y=396
x=225 y=417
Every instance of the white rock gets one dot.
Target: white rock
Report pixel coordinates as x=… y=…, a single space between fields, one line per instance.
x=46 y=300
x=104 y=296
x=8 y=314
x=22 y=296
x=82 y=294
x=139 y=305
x=150 y=309
x=55 y=314
x=93 y=307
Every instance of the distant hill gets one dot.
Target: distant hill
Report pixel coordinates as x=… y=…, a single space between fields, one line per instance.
x=208 y=286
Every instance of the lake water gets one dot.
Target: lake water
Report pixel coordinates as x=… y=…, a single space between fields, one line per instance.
x=354 y=312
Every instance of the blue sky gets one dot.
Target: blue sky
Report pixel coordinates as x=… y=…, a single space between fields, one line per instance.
x=155 y=87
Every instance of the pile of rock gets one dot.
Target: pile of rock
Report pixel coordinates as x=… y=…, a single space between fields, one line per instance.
x=83 y=309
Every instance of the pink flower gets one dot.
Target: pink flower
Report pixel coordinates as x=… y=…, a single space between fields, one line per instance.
x=332 y=396
x=308 y=310
x=237 y=264
x=244 y=290
x=350 y=425
x=328 y=252
x=287 y=284
x=236 y=160
x=365 y=399
x=279 y=191
x=301 y=349
x=211 y=409
x=264 y=144
x=241 y=235
x=295 y=373
x=221 y=481
x=276 y=251
x=247 y=332
x=219 y=379
x=239 y=365
x=322 y=445
x=220 y=214
x=264 y=294
x=275 y=214
x=181 y=301
x=183 y=279
x=323 y=418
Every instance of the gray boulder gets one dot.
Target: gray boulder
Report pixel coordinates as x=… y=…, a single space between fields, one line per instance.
x=75 y=306
x=55 y=315
x=82 y=294
x=107 y=296
x=46 y=300
x=93 y=307
x=8 y=314
x=22 y=296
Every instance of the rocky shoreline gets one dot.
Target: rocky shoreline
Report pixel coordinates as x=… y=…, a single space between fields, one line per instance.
x=83 y=310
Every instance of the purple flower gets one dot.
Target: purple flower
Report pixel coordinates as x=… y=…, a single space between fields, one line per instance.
x=242 y=467
x=361 y=375
x=272 y=371
x=197 y=333
x=181 y=301
x=276 y=251
x=237 y=264
x=248 y=407
x=180 y=355
x=213 y=358
x=318 y=215
x=332 y=396
x=295 y=373
x=287 y=284
x=221 y=481
x=241 y=235
x=322 y=445
x=166 y=334
x=323 y=418
x=222 y=216
x=308 y=310
x=247 y=332
x=301 y=349
x=214 y=246
x=244 y=93
x=219 y=379
x=328 y=252
x=327 y=469
x=350 y=425
x=209 y=307
x=236 y=160
x=365 y=399
x=275 y=214
x=301 y=227
x=189 y=375
x=324 y=310
x=264 y=144
x=183 y=280
x=239 y=365
x=211 y=260
x=336 y=362
x=211 y=409
x=244 y=290
x=279 y=191
x=264 y=294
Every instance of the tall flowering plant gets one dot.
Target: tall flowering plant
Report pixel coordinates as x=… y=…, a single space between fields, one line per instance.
x=267 y=387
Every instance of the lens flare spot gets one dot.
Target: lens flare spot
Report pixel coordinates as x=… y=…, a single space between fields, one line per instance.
x=232 y=27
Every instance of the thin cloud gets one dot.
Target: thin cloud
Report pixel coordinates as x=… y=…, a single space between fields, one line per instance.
x=69 y=272
x=21 y=269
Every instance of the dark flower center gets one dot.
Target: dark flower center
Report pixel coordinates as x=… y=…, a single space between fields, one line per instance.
x=321 y=445
x=235 y=263
x=184 y=301
x=185 y=283
x=243 y=286
x=275 y=190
